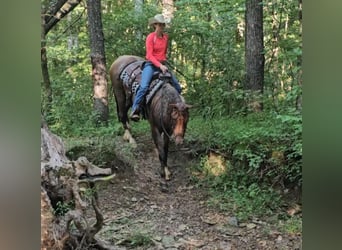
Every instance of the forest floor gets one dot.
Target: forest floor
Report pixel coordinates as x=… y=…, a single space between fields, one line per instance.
x=139 y=214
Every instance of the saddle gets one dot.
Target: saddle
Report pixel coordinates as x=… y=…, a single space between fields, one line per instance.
x=131 y=77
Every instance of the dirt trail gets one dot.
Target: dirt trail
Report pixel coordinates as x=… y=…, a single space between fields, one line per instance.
x=139 y=215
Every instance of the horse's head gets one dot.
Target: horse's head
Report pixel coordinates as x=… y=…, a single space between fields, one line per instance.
x=179 y=120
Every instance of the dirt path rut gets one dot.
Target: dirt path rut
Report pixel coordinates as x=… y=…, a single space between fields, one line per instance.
x=140 y=215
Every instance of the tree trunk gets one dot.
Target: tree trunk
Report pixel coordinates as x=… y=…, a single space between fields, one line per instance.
x=168 y=9
x=138 y=7
x=98 y=61
x=44 y=67
x=254 y=52
x=57 y=11
x=51 y=13
x=299 y=61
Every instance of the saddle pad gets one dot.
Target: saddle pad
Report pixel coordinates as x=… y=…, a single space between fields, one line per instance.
x=131 y=75
x=154 y=86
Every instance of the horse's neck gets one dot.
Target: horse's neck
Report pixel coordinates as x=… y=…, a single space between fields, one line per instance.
x=171 y=95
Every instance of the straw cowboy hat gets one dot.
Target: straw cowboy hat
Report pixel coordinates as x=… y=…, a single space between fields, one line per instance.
x=159 y=18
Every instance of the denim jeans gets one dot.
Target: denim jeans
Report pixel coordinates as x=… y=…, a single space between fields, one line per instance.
x=146 y=77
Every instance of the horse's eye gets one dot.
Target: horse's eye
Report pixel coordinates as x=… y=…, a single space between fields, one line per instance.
x=174 y=114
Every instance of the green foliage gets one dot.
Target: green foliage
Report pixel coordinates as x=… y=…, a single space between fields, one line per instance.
x=126 y=29
x=98 y=148
x=88 y=193
x=292 y=225
x=204 y=34
x=63 y=207
x=263 y=153
x=207 y=46
x=139 y=239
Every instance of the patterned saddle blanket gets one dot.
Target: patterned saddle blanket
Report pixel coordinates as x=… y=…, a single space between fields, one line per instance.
x=131 y=77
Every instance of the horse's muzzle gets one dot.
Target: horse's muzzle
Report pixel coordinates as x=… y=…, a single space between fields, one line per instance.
x=179 y=140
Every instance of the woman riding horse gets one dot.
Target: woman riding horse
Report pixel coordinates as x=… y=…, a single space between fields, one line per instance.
x=156 y=49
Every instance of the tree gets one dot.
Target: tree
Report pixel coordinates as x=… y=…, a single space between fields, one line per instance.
x=254 y=54
x=98 y=61
x=138 y=6
x=168 y=9
x=51 y=13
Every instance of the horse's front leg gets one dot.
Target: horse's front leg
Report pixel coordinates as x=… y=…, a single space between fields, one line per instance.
x=166 y=151
x=162 y=145
x=128 y=136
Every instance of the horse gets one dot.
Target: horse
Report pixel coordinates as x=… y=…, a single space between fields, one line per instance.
x=166 y=110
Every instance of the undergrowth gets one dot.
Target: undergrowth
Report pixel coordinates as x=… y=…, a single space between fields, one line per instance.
x=262 y=156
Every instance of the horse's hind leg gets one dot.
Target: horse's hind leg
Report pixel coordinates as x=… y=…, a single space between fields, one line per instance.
x=122 y=108
x=127 y=135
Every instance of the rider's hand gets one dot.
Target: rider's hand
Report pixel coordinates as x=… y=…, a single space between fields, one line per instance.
x=163 y=68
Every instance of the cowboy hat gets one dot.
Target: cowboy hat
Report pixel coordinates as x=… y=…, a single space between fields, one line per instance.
x=159 y=18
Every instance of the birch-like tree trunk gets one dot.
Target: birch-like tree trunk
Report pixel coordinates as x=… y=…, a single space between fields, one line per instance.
x=168 y=9
x=138 y=6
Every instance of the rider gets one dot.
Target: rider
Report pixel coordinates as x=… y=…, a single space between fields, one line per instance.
x=156 y=49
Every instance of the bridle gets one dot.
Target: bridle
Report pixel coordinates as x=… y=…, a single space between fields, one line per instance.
x=161 y=117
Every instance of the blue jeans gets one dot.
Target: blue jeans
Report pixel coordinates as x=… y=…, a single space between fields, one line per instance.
x=146 y=78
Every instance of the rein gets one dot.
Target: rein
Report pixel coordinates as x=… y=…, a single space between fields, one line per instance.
x=161 y=119
x=178 y=71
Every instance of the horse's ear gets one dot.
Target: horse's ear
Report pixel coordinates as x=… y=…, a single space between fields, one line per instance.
x=177 y=106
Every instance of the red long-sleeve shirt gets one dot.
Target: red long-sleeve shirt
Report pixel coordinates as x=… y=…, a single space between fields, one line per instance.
x=156 y=48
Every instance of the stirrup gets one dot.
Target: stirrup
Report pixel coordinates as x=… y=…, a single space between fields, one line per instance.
x=135 y=116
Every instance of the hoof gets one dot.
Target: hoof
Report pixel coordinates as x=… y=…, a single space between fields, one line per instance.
x=164 y=187
x=165 y=174
x=133 y=143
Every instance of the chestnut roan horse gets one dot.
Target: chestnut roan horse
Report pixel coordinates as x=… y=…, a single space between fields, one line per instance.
x=166 y=110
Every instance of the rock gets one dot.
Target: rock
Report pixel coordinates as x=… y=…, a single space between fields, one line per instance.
x=168 y=241
x=279 y=239
x=157 y=238
x=233 y=221
x=224 y=245
x=182 y=227
x=250 y=226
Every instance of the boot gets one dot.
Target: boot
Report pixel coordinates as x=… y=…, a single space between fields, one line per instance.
x=135 y=115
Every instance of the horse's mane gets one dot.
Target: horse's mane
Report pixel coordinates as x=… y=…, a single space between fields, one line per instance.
x=159 y=105
x=168 y=94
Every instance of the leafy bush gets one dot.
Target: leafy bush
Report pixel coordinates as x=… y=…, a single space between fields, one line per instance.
x=263 y=153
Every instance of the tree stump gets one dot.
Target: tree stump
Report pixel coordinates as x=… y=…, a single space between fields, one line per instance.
x=65 y=197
